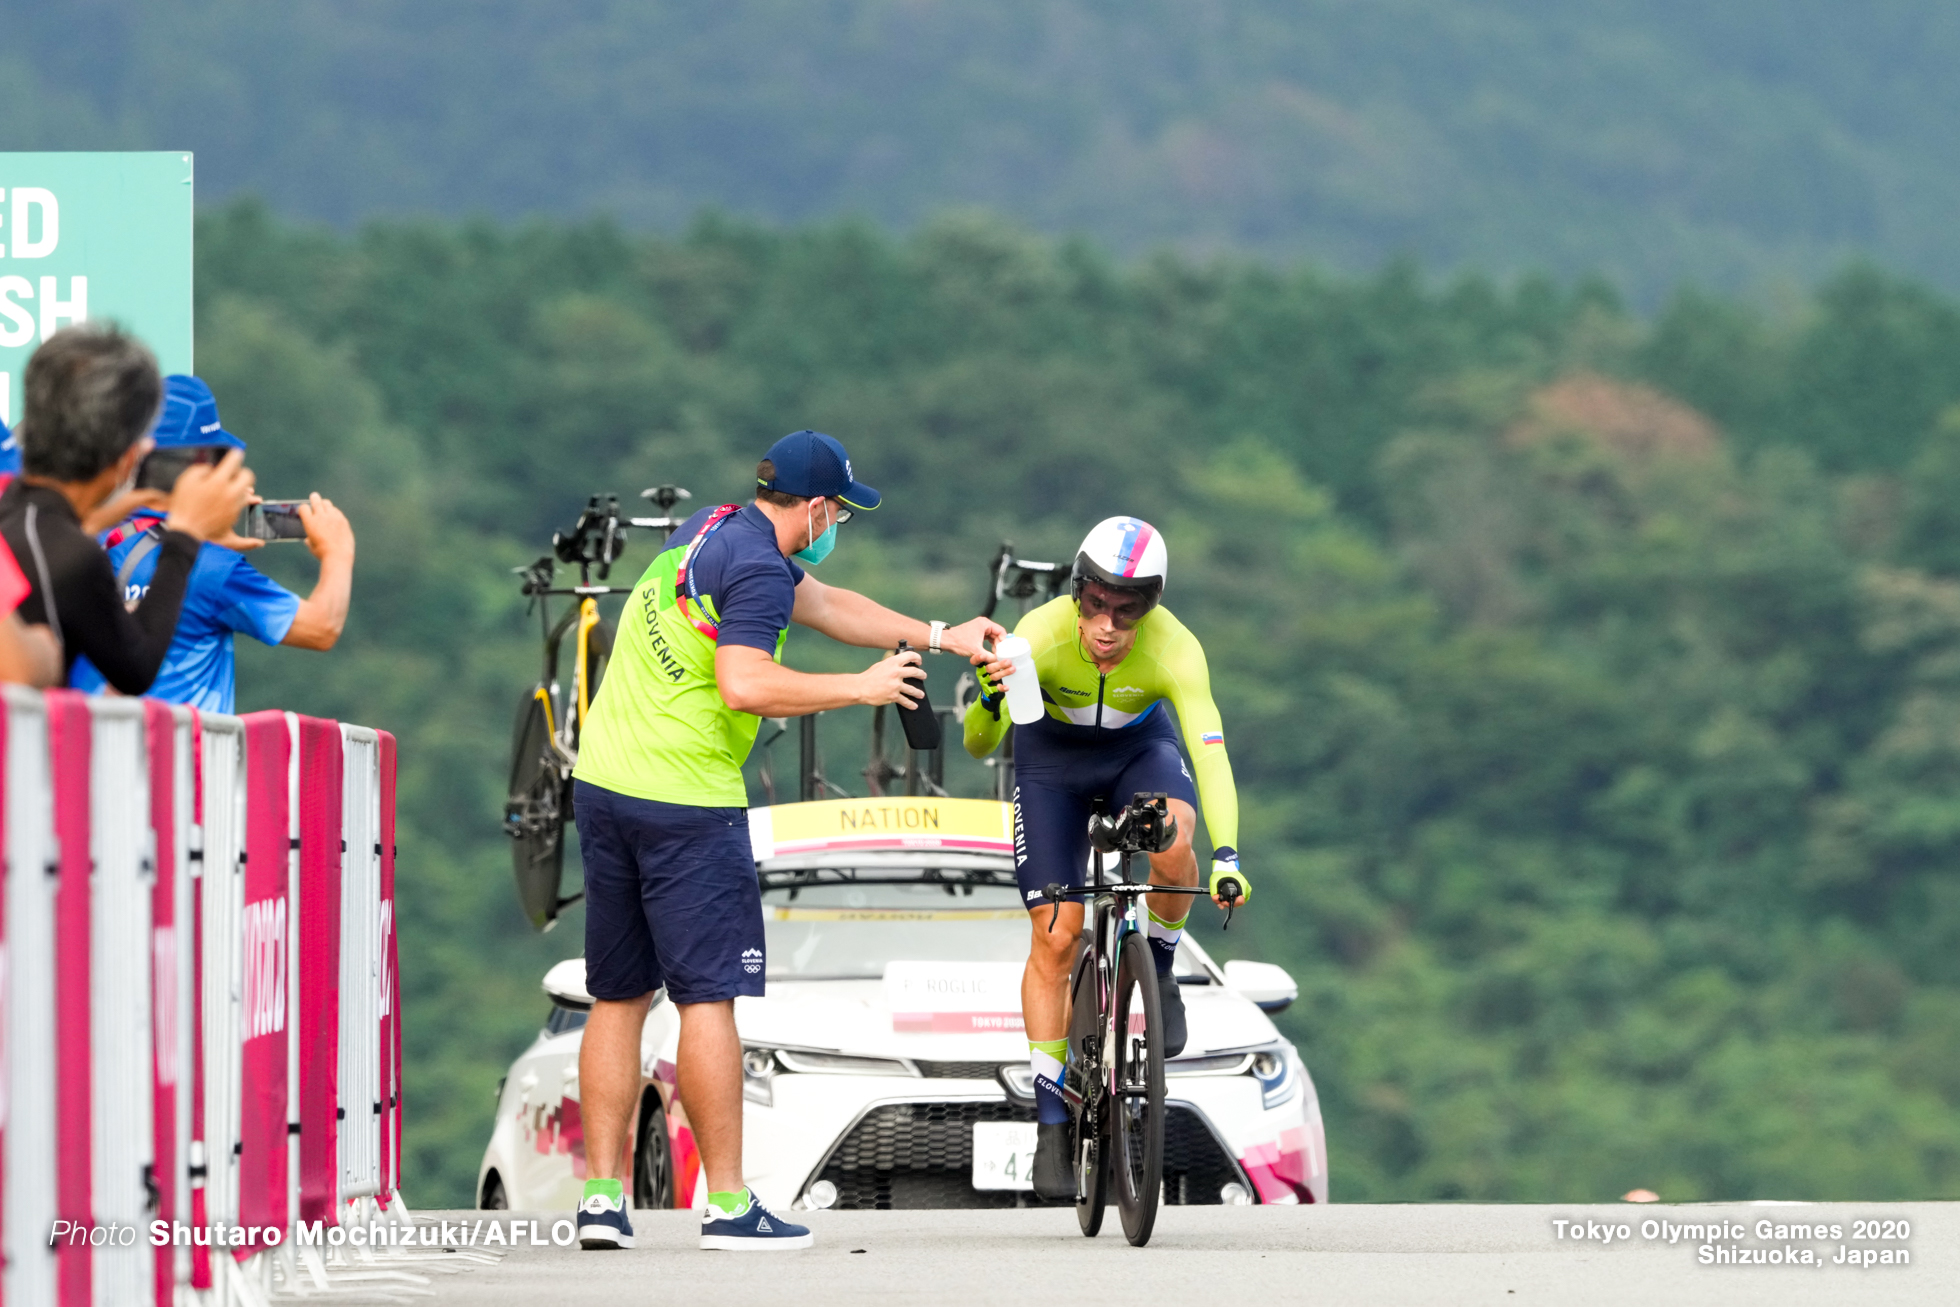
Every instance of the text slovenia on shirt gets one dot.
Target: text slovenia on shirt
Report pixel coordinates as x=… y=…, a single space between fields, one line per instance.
x=659 y=728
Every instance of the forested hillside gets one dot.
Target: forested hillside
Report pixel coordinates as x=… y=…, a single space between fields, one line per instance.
x=1591 y=681
x=1649 y=140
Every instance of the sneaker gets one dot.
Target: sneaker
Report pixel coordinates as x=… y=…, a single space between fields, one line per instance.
x=1170 y=1000
x=758 y=1230
x=1054 y=1163
x=602 y=1219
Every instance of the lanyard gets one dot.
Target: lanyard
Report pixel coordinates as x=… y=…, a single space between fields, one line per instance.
x=684 y=583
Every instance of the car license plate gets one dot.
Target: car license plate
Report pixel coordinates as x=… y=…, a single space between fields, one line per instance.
x=1003 y=1154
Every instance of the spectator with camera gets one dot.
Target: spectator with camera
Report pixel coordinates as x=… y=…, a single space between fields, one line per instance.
x=225 y=595
x=91 y=395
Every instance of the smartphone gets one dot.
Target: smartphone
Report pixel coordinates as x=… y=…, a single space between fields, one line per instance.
x=273 y=521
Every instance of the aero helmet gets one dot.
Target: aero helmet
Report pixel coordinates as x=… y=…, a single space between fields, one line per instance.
x=1125 y=553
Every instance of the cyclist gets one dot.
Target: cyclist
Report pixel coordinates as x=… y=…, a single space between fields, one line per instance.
x=1108 y=656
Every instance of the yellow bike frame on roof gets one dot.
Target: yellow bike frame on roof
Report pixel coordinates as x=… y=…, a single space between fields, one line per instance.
x=588 y=617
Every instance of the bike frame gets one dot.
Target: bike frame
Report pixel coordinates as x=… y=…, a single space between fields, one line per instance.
x=1110 y=916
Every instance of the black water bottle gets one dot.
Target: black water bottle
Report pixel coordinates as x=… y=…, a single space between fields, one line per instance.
x=921 y=723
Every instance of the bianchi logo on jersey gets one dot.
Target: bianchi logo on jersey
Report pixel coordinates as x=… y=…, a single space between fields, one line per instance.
x=752 y=960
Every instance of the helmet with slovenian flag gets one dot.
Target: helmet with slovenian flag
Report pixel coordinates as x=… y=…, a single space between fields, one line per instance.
x=1124 y=553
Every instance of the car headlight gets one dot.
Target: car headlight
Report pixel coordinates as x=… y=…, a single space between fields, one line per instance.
x=842 y=1064
x=1279 y=1083
x=761 y=1065
x=758 y=1073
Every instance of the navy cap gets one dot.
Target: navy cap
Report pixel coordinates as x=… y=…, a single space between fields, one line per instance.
x=9 y=452
x=190 y=417
x=810 y=464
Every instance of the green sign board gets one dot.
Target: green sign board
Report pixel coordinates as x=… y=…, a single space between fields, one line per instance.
x=93 y=236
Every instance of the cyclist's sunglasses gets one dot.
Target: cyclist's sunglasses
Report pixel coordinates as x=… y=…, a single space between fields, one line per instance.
x=839 y=514
x=1124 y=608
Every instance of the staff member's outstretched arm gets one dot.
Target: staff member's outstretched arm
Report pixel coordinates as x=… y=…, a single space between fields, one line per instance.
x=753 y=682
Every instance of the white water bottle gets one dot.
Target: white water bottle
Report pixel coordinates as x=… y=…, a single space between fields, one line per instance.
x=1024 y=687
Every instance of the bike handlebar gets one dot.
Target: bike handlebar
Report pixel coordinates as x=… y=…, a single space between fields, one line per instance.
x=1054 y=892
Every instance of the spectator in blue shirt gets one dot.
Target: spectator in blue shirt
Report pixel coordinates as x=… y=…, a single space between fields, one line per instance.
x=226 y=594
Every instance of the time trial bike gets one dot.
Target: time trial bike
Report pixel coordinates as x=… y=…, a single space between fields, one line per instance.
x=1114 y=1083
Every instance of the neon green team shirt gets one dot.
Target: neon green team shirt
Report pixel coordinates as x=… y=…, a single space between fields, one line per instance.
x=1167 y=663
x=659 y=728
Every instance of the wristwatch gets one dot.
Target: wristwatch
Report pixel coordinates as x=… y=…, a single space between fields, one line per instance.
x=938 y=629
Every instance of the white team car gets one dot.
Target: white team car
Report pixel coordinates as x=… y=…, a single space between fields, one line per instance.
x=886 y=1067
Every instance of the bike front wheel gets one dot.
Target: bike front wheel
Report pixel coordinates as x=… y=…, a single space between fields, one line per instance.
x=1137 y=1090
x=1091 y=1124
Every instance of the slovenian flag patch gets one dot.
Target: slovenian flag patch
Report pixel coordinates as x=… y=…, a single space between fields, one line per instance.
x=1212 y=737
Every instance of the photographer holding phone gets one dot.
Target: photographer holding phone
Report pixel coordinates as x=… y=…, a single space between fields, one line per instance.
x=91 y=396
x=225 y=594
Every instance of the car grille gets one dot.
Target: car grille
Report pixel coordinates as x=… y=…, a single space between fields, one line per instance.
x=957 y=1070
x=920 y=1155
x=1195 y=1166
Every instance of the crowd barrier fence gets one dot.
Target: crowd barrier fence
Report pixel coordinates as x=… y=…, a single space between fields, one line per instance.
x=200 y=998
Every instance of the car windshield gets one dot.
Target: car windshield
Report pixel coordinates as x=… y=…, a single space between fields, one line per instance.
x=849 y=932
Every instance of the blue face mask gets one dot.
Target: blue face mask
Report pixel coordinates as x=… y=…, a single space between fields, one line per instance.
x=819 y=549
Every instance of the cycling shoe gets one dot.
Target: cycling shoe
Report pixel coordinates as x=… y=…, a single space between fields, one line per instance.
x=1054 y=1163
x=1170 y=1000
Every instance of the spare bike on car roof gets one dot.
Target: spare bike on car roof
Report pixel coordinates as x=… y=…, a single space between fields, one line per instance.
x=544 y=744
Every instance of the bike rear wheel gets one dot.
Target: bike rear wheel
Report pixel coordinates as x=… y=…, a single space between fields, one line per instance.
x=1136 y=1115
x=535 y=811
x=1090 y=1133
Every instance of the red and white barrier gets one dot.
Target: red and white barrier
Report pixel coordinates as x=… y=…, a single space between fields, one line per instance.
x=197 y=962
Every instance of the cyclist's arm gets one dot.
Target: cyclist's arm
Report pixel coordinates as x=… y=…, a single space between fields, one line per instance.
x=1047 y=626
x=1189 y=680
x=986 y=719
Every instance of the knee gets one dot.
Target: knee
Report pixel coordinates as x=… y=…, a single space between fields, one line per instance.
x=1052 y=952
x=1187 y=826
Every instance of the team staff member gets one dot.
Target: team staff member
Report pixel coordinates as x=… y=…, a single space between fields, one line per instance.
x=91 y=395
x=670 y=889
x=226 y=594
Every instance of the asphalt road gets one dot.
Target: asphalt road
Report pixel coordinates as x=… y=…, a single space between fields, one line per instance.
x=1399 y=1255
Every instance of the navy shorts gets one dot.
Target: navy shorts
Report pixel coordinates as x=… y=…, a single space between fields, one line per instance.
x=1057 y=779
x=670 y=899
